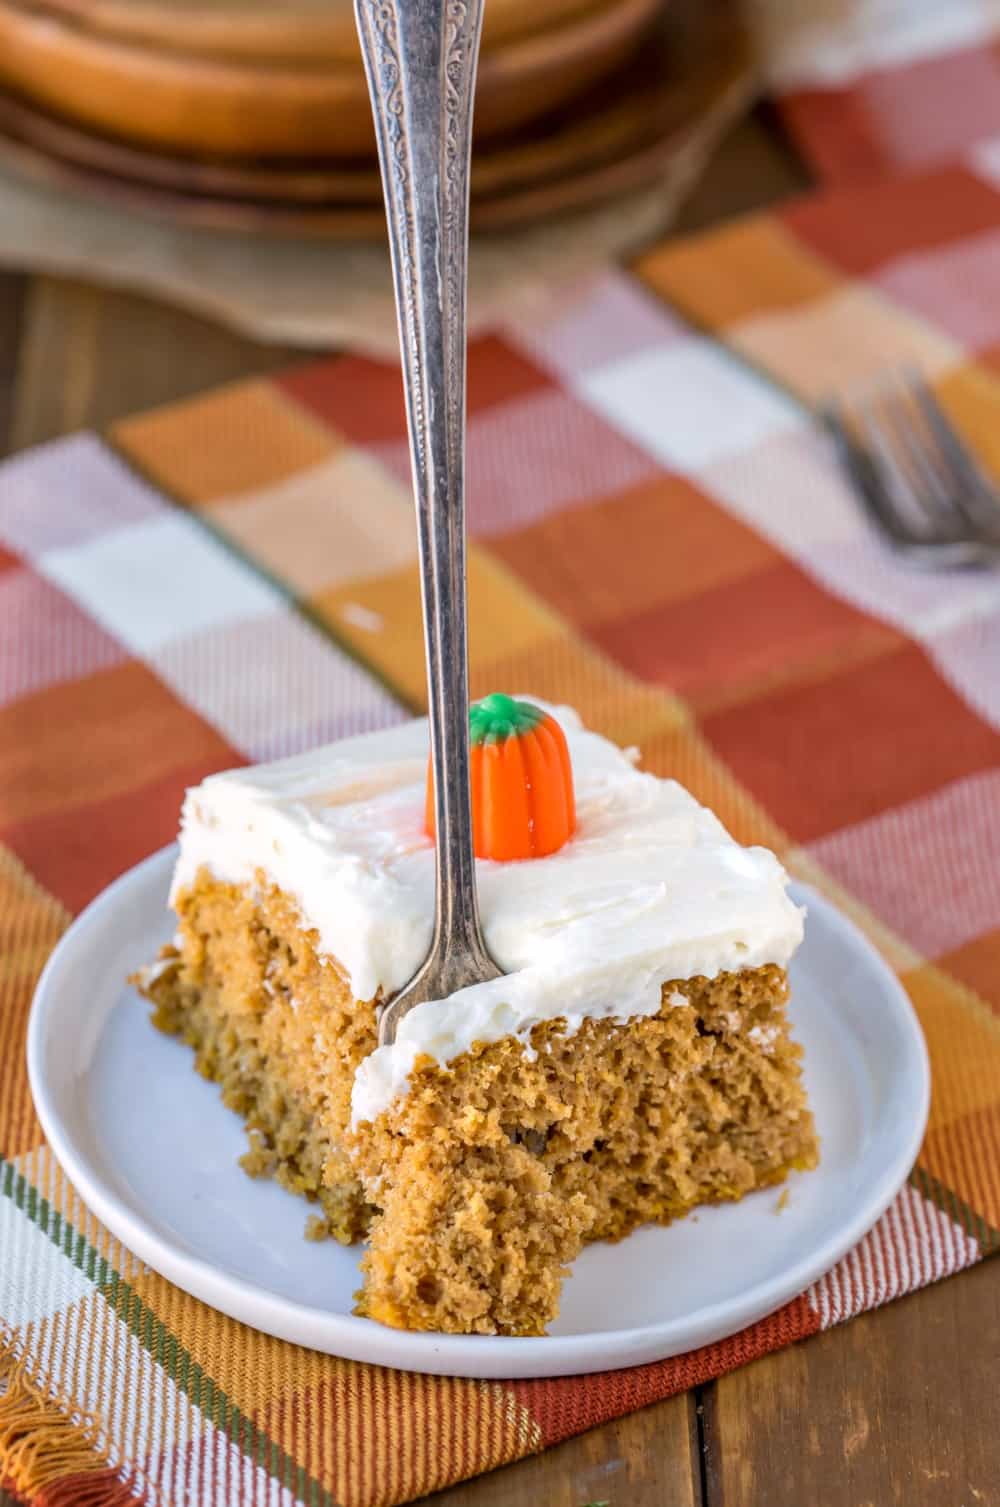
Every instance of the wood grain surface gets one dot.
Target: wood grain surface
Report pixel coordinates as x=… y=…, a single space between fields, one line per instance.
x=88 y=356
x=898 y=1407
x=646 y=1458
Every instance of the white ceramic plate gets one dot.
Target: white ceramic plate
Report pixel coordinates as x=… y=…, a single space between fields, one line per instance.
x=153 y=1152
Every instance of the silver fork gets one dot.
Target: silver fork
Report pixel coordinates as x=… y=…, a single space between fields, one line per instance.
x=420 y=58
x=915 y=477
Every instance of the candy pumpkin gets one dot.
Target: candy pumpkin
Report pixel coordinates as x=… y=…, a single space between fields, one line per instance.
x=522 y=782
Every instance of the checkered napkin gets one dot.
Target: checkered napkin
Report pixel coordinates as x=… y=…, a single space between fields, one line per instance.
x=873 y=86
x=660 y=537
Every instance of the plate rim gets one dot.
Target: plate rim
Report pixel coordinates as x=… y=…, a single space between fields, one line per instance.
x=475 y=1356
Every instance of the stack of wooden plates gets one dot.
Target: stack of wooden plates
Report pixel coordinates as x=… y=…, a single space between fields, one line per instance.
x=248 y=115
x=253 y=79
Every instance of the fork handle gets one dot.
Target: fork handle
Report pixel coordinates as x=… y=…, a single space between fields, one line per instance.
x=420 y=57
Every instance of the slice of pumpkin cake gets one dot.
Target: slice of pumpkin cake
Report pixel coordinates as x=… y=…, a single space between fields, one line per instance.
x=633 y=1062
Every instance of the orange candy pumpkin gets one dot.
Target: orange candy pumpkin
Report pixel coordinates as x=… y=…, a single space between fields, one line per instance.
x=523 y=804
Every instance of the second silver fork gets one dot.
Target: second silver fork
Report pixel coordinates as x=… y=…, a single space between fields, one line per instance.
x=914 y=476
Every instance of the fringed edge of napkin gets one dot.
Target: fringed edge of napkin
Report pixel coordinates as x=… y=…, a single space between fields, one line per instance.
x=50 y=1454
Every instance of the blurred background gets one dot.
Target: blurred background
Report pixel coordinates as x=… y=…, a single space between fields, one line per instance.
x=220 y=157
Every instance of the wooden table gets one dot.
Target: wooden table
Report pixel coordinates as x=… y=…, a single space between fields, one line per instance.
x=898 y=1406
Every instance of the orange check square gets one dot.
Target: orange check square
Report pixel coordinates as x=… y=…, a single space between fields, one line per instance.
x=962 y=1155
x=831 y=751
x=744 y=636
x=95 y=738
x=226 y=443
x=836 y=129
x=860 y=228
x=659 y=541
x=751 y=267
x=77 y=850
x=977 y=965
x=565 y=670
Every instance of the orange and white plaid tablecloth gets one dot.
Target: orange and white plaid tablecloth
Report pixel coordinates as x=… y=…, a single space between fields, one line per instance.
x=660 y=537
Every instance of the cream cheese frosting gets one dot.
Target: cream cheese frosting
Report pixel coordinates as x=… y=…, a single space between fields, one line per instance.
x=650 y=888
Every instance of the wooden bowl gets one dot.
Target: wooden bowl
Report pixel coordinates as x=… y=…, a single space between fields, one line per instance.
x=313 y=31
x=627 y=132
x=217 y=106
x=601 y=127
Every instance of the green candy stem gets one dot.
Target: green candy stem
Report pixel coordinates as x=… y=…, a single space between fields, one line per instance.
x=499 y=717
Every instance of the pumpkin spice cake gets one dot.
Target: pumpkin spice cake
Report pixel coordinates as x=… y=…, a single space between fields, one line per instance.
x=633 y=1062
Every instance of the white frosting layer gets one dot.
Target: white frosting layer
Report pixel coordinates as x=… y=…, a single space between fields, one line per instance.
x=650 y=888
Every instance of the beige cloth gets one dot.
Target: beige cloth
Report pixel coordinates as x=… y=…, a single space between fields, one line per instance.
x=323 y=293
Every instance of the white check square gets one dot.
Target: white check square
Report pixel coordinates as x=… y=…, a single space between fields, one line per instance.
x=688 y=404
x=923 y=604
x=274 y=685
x=157 y=581
x=67 y=492
x=791 y=490
x=592 y=322
x=950 y=838
x=37 y=1281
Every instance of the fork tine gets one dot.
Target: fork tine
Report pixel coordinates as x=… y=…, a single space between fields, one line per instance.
x=921 y=460
x=861 y=469
x=896 y=483
x=882 y=509
x=974 y=496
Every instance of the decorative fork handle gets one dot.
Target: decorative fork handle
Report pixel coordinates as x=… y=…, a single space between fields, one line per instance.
x=420 y=57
